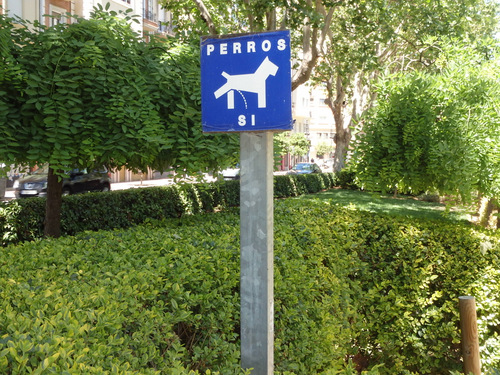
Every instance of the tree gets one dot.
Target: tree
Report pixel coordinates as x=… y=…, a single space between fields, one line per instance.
x=372 y=37
x=323 y=149
x=88 y=94
x=295 y=144
x=309 y=22
x=436 y=132
x=345 y=45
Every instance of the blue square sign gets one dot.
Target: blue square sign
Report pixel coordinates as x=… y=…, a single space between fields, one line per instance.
x=246 y=83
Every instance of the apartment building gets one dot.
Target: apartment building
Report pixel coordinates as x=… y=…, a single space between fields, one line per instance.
x=313 y=117
x=153 y=19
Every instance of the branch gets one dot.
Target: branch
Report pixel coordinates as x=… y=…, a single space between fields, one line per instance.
x=312 y=45
x=250 y=15
x=326 y=28
x=205 y=15
x=271 y=20
x=309 y=56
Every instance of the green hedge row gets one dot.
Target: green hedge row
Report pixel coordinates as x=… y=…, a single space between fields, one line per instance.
x=354 y=291
x=22 y=220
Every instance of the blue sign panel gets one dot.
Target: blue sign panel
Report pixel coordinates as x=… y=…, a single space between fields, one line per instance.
x=246 y=83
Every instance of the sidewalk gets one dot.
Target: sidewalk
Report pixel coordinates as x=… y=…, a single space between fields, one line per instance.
x=141 y=184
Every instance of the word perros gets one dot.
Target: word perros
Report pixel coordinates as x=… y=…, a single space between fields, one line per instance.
x=247 y=47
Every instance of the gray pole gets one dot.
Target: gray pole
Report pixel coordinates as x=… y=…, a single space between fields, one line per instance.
x=256 y=244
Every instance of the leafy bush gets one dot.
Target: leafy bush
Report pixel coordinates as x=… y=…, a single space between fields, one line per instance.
x=22 y=220
x=143 y=301
x=346 y=178
x=294 y=185
x=286 y=186
x=411 y=275
x=353 y=291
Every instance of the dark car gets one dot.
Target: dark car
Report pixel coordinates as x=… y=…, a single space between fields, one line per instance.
x=305 y=168
x=79 y=181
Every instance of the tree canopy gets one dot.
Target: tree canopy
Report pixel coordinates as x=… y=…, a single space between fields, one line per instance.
x=308 y=22
x=435 y=132
x=323 y=149
x=92 y=93
x=376 y=37
x=295 y=144
x=346 y=45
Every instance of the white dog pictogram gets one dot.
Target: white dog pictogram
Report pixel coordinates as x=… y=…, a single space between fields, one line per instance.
x=254 y=83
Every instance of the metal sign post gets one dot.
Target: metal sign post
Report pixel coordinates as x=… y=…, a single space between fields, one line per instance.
x=246 y=88
x=256 y=255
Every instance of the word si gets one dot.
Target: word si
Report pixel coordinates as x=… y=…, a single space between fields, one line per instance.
x=242 y=120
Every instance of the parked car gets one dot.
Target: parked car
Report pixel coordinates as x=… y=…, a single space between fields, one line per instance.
x=304 y=168
x=79 y=181
x=327 y=164
x=231 y=173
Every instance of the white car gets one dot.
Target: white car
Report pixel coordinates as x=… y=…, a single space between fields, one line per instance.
x=327 y=165
x=231 y=173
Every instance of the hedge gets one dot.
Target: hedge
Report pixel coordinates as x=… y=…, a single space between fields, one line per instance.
x=22 y=220
x=354 y=291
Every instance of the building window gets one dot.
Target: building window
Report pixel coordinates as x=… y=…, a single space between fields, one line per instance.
x=149 y=13
x=56 y=18
x=58 y=15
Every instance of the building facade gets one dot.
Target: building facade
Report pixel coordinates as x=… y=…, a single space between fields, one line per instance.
x=314 y=118
x=152 y=18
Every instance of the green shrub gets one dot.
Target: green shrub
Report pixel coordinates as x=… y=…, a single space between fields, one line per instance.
x=285 y=186
x=313 y=182
x=143 y=301
x=229 y=193
x=353 y=291
x=294 y=185
x=346 y=179
x=329 y=180
x=412 y=274
x=22 y=220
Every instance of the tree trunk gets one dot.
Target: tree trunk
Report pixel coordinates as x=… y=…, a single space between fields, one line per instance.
x=342 y=138
x=498 y=216
x=313 y=41
x=53 y=205
x=342 y=132
x=497 y=209
x=485 y=211
x=360 y=100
